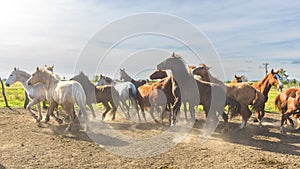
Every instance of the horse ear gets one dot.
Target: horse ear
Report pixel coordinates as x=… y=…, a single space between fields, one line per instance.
x=100 y=75
x=37 y=68
x=52 y=66
x=173 y=54
x=15 y=68
x=272 y=71
x=235 y=76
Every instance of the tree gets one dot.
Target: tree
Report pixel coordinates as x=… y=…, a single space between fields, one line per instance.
x=284 y=76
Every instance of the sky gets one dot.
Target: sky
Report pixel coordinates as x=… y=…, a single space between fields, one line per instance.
x=244 y=35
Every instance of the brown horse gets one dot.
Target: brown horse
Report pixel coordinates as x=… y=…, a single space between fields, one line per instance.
x=101 y=94
x=237 y=79
x=161 y=74
x=157 y=95
x=288 y=102
x=241 y=92
x=264 y=86
x=126 y=78
x=195 y=92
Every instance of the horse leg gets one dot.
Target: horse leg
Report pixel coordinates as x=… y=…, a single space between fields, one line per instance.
x=33 y=102
x=192 y=112
x=107 y=108
x=284 y=117
x=127 y=108
x=226 y=125
x=246 y=114
x=92 y=109
x=40 y=112
x=44 y=105
x=185 y=111
x=113 y=111
x=71 y=112
x=151 y=113
x=26 y=101
x=52 y=107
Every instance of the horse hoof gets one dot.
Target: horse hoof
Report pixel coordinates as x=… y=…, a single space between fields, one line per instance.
x=59 y=121
x=47 y=119
x=255 y=120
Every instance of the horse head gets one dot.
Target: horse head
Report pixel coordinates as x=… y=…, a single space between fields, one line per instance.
x=274 y=79
x=202 y=70
x=158 y=74
x=13 y=77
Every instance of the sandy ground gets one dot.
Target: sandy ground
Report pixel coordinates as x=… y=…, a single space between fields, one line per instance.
x=25 y=144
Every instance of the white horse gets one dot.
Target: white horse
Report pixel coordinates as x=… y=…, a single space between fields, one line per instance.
x=64 y=93
x=126 y=90
x=37 y=92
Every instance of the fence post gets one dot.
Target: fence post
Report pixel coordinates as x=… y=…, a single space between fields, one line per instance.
x=4 y=96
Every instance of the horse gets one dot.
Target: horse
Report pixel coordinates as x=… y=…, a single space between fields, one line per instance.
x=237 y=79
x=264 y=86
x=126 y=78
x=37 y=93
x=195 y=91
x=161 y=74
x=288 y=102
x=241 y=92
x=106 y=95
x=126 y=90
x=64 y=93
x=160 y=95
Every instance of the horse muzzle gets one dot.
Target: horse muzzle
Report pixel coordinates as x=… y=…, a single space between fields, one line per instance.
x=7 y=84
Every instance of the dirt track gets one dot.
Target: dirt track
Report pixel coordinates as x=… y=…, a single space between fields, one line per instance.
x=26 y=145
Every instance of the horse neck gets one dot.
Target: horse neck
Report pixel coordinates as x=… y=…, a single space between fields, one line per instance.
x=181 y=75
x=23 y=79
x=209 y=78
x=49 y=81
x=263 y=86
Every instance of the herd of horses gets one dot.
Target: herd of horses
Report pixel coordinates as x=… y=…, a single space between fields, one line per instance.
x=188 y=86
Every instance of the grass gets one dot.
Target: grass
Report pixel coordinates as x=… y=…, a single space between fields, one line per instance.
x=16 y=96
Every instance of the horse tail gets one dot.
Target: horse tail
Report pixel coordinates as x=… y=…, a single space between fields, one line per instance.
x=278 y=103
x=258 y=102
x=115 y=96
x=132 y=94
x=235 y=106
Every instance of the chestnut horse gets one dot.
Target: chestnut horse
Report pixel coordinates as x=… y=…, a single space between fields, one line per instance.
x=288 y=102
x=241 y=92
x=101 y=94
x=195 y=92
x=158 y=95
x=264 y=86
x=64 y=93
x=237 y=79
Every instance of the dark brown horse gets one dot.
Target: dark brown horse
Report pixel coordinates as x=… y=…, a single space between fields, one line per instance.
x=288 y=102
x=195 y=92
x=101 y=94
x=241 y=92
x=126 y=78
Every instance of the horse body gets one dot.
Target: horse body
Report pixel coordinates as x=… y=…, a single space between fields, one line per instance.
x=157 y=95
x=106 y=94
x=241 y=92
x=37 y=92
x=64 y=93
x=288 y=102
